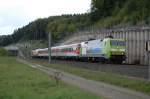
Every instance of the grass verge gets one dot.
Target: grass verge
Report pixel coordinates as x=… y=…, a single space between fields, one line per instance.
x=110 y=78
x=18 y=81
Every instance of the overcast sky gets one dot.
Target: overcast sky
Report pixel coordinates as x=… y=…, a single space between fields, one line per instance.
x=17 y=13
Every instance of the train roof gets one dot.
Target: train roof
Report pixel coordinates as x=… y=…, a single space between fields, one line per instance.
x=69 y=45
x=39 y=49
x=61 y=46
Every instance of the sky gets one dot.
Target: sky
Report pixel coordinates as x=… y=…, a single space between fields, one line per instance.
x=17 y=13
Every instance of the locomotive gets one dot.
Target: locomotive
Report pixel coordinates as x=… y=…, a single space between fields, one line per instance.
x=104 y=50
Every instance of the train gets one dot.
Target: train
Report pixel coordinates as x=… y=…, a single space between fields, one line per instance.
x=104 y=50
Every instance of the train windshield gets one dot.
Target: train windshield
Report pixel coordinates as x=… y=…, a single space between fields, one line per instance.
x=117 y=43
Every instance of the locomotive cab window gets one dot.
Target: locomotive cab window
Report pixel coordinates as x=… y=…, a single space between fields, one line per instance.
x=117 y=43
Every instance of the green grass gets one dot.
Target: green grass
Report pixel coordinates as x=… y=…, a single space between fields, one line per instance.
x=114 y=79
x=18 y=81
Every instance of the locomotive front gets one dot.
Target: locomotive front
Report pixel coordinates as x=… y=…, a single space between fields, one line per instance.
x=117 y=50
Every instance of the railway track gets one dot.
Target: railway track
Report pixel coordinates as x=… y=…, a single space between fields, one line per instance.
x=123 y=69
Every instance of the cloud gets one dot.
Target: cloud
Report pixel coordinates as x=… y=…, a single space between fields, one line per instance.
x=15 y=17
x=11 y=16
x=7 y=30
x=16 y=13
x=45 y=8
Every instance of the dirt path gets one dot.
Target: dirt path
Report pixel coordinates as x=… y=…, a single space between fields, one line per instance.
x=98 y=88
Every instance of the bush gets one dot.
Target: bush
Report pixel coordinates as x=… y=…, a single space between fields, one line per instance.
x=3 y=52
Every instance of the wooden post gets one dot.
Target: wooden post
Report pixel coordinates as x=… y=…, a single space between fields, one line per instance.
x=49 y=46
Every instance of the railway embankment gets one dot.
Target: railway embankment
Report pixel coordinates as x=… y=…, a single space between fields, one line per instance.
x=137 y=71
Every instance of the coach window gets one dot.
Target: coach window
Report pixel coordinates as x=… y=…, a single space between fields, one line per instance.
x=66 y=49
x=69 y=50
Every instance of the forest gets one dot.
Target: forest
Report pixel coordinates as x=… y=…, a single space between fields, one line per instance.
x=103 y=14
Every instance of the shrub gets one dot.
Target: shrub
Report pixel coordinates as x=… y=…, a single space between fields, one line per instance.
x=3 y=52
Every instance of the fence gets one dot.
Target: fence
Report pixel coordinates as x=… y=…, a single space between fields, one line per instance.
x=135 y=37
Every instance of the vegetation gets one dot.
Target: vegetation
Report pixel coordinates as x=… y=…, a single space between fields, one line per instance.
x=103 y=14
x=18 y=81
x=59 y=26
x=110 y=78
x=3 y=52
x=110 y=13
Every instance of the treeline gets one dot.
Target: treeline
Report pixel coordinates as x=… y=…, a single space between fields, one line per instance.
x=108 y=13
x=103 y=13
x=59 y=26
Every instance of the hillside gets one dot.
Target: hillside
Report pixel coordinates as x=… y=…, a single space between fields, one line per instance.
x=59 y=26
x=108 y=13
x=103 y=14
